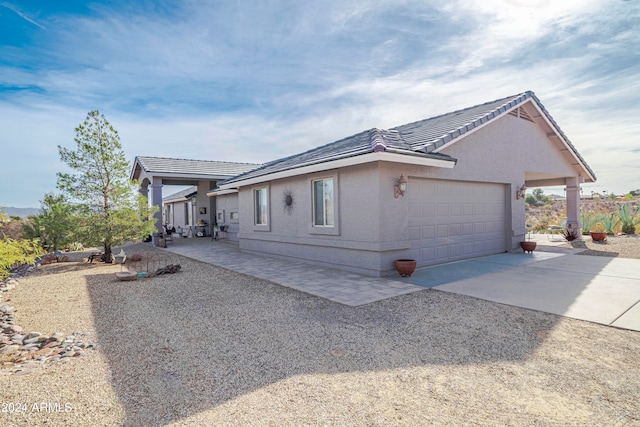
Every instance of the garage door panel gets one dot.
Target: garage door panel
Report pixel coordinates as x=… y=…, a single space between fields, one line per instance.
x=457 y=219
x=467 y=229
x=414 y=232
x=442 y=253
x=428 y=232
x=455 y=250
x=414 y=212
x=428 y=255
x=428 y=209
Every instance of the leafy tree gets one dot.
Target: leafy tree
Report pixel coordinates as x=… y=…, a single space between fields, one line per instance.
x=55 y=224
x=635 y=192
x=111 y=212
x=538 y=193
x=539 y=196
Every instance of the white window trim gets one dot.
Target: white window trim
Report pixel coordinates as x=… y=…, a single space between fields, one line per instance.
x=330 y=230
x=256 y=226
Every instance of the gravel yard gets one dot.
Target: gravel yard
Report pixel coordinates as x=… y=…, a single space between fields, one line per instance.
x=626 y=246
x=208 y=346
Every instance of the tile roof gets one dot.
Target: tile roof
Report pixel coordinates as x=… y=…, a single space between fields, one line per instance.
x=430 y=134
x=164 y=165
x=362 y=143
x=181 y=195
x=421 y=138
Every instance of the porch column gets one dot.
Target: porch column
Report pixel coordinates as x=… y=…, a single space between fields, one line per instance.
x=573 y=203
x=144 y=189
x=156 y=200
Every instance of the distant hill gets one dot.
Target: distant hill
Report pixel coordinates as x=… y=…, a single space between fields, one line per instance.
x=21 y=212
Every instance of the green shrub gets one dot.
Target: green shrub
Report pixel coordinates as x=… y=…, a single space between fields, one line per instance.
x=16 y=252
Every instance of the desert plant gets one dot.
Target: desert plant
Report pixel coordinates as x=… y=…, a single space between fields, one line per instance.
x=570 y=234
x=629 y=217
x=610 y=221
x=588 y=220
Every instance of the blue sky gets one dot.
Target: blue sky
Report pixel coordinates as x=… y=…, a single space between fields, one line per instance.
x=252 y=81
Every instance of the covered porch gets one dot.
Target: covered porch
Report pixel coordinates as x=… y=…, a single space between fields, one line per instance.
x=154 y=173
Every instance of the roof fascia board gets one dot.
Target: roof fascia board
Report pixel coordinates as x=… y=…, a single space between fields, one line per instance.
x=214 y=193
x=132 y=175
x=188 y=176
x=349 y=161
x=558 y=134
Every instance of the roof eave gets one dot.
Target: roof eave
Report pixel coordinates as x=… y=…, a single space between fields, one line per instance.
x=563 y=138
x=395 y=156
x=218 y=192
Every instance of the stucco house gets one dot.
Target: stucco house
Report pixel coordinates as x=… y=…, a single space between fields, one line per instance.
x=438 y=190
x=191 y=206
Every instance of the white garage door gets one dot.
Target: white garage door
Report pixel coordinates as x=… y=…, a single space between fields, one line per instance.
x=454 y=220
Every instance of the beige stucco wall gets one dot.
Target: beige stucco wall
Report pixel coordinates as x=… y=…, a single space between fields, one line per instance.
x=372 y=223
x=225 y=206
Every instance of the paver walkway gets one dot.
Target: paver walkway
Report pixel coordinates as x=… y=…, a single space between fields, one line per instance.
x=598 y=289
x=335 y=285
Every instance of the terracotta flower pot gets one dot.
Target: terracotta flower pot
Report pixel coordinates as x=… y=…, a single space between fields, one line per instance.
x=598 y=236
x=405 y=267
x=528 y=246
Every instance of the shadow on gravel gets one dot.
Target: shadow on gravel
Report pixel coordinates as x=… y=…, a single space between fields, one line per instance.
x=181 y=344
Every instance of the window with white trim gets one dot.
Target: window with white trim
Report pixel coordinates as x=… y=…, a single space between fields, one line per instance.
x=323 y=202
x=261 y=205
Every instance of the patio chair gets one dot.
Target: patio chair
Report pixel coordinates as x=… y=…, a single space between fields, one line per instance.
x=168 y=231
x=555 y=230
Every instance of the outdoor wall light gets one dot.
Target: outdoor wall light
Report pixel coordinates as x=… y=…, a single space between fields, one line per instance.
x=521 y=192
x=400 y=187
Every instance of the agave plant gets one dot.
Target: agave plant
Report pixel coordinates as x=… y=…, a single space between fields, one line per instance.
x=610 y=221
x=629 y=217
x=589 y=220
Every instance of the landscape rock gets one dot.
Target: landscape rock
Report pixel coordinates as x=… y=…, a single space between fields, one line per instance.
x=23 y=351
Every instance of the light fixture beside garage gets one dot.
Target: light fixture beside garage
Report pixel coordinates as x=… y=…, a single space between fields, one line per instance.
x=400 y=187
x=520 y=193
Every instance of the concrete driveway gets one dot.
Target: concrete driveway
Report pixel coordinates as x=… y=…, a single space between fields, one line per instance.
x=597 y=289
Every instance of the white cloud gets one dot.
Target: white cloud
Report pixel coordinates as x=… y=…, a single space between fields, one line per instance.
x=256 y=82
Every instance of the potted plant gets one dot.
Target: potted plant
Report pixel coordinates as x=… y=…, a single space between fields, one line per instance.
x=527 y=245
x=405 y=267
x=598 y=234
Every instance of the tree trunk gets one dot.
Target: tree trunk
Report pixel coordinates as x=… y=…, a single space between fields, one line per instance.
x=107 y=257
